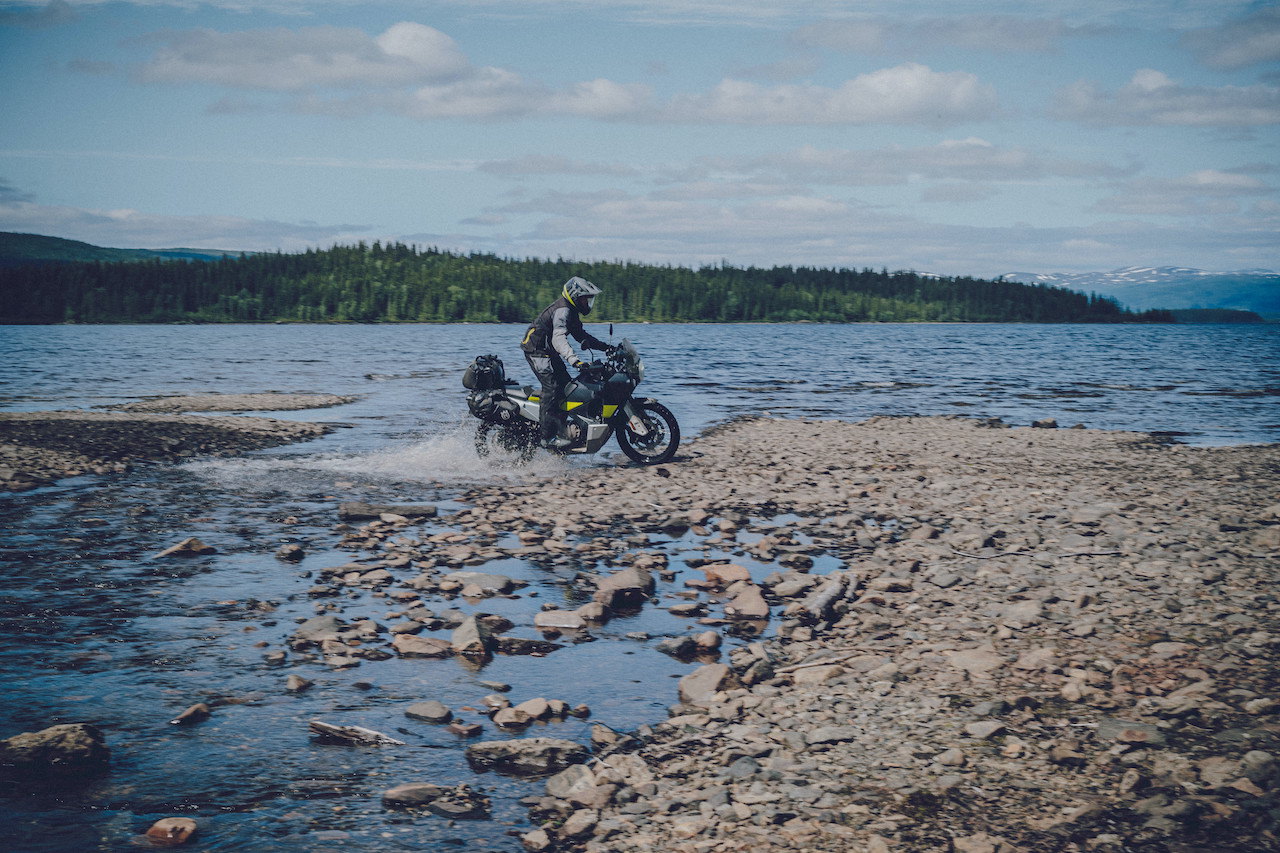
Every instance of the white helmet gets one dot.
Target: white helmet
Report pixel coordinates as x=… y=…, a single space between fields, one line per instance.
x=581 y=294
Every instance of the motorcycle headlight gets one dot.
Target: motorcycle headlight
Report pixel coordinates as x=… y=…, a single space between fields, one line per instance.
x=639 y=370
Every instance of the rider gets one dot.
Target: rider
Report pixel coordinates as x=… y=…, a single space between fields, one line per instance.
x=546 y=347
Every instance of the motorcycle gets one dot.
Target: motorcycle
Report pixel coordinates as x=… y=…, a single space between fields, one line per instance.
x=598 y=404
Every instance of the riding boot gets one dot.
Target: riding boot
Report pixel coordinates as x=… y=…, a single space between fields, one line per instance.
x=549 y=424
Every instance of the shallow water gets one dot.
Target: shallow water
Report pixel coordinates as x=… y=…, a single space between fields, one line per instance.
x=93 y=629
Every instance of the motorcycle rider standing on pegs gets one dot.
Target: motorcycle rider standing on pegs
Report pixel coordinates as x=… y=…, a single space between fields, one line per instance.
x=546 y=348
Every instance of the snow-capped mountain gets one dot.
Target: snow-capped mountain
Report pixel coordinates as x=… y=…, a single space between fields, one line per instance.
x=1141 y=288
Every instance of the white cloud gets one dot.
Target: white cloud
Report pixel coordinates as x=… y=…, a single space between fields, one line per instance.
x=1240 y=43
x=139 y=229
x=302 y=60
x=417 y=71
x=905 y=94
x=969 y=159
x=822 y=231
x=545 y=164
x=1152 y=98
x=986 y=33
x=32 y=16
x=1208 y=192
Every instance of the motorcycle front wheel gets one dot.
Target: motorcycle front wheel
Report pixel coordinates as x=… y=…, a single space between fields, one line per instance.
x=659 y=441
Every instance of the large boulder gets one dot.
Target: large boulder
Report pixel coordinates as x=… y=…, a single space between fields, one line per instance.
x=748 y=604
x=630 y=587
x=535 y=756
x=410 y=646
x=67 y=748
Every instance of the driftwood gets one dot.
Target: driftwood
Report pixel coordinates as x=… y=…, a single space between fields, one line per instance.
x=819 y=604
x=351 y=735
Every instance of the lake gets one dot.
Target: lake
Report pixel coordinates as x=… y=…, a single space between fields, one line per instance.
x=92 y=629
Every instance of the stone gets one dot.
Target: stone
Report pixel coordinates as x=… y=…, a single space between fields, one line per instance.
x=982 y=843
x=817 y=674
x=291 y=553
x=748 y=604
x=951 y=758
x=978 y=662
x=984 y=729
x=197 y=713
x=318 y=628
x=493 y=583
x=1129 y=731
x=580 y=823
x=698 y=687
x=410 y=646
x=412 y=794
x=356 y=511
x=537 y=708
x=190 y=547
x=831 y=734
x=472 y=638
x=526 y=756
x=593 y=611
x=430 y=711
x=172 y=830
x=297 y=684
x=537 y=841
x=677 y=647
x=1042 y=658
x=511 y=718
x=574 y=780
x=66 y=748
x=564 y=620
x=630 y=587
x=724 y=574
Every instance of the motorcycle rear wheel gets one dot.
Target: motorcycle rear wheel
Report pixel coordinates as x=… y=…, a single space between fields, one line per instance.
x=520 y=441
x=662 y=440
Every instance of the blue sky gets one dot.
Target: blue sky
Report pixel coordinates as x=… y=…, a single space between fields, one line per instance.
x=949 y=136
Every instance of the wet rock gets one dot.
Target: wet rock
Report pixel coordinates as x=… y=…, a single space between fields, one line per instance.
x=172 y=830
x=291 y=553
x=190 y=547
x=537 y=841
x=472 y=638
x=410 y=646
x=356 y=511
x=197 y=713
x=527 y=756
x=459 y=802
x=66 y=748
x=677 y=647
x=748 y=604
x=429 y=711
x=512 y=718
x=523 y=646
x=488 y=582
x=297 y=684
x=559 y=620
x=724 y=574
x=629 y=587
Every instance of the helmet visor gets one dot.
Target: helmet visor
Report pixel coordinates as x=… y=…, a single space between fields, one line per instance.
x=588 y=302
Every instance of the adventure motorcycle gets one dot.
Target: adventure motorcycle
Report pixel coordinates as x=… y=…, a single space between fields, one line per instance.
x=597 y=405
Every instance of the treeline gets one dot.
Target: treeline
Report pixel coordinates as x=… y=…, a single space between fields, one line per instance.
x=401 y=283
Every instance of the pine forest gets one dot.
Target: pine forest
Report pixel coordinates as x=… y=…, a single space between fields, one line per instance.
x=398 y=283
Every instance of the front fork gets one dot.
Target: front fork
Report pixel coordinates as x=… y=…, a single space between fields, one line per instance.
x=633 y=419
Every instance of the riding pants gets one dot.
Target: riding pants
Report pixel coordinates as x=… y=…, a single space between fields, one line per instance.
x=553 y=375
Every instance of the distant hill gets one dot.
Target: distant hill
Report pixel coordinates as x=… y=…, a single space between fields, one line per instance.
x=1141 y=288
x=23 y=249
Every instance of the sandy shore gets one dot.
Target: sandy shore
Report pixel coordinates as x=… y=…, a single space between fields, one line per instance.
x=1042 y=640
x=37 y=448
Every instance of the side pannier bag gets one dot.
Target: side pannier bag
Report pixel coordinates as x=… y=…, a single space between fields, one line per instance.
x=485 y=373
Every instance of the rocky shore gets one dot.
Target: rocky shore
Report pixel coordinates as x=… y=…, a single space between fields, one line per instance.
x=37 y=448
x=948 y=634
x=1041 y=640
